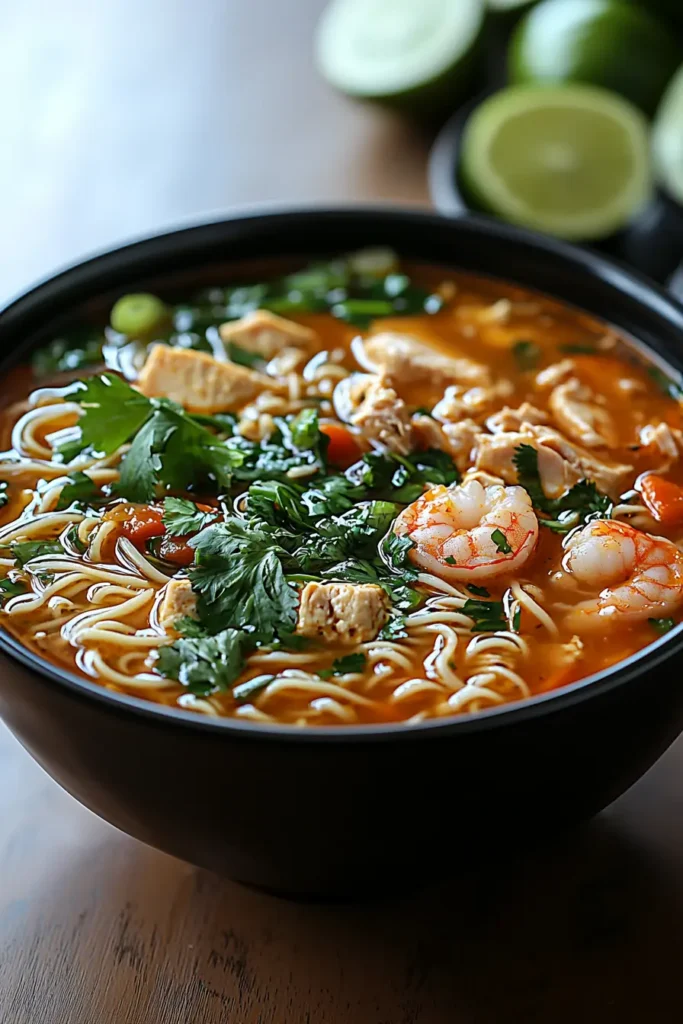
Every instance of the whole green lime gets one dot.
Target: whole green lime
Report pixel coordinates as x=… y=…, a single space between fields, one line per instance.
x=600 y=42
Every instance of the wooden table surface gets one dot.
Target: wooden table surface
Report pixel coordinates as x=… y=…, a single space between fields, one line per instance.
x=122 y=116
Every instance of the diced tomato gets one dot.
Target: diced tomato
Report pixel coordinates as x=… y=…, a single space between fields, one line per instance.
x=176 y=550
x=343 y=449
x=663 y=498
x=143 y=523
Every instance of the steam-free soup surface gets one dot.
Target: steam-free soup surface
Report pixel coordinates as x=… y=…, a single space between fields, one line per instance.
x=367 y=492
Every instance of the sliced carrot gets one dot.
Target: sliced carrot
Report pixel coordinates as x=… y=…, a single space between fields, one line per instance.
x=663 y=498
x=343 y=449
x=143 y=523
x=176 y=550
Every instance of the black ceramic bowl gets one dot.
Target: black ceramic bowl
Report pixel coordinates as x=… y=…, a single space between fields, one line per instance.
x=357 y=809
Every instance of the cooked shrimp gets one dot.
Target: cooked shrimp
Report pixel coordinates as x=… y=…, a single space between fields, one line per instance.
x=470 y=532
x=641 y=575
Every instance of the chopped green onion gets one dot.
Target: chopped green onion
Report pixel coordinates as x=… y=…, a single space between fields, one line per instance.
x=501 y=542
x=139 y=315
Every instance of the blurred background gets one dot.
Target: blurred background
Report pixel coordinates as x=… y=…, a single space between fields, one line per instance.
x=121 y=117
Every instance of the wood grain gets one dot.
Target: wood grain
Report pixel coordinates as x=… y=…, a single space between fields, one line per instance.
x=122 y=117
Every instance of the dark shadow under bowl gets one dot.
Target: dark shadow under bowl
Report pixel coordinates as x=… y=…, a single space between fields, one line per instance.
x=353 y=810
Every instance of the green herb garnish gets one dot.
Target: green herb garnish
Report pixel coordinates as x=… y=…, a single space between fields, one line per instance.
x=25 y=551
x=581 y=502
x=205 y=664
x=182 y=517
x=242 y=356
x=11 y=588
x=348 y=663
x=527 y=354
x=667 y=386
x=487 y=616
x=662 y=626
x=80 y=489
x=501 y=542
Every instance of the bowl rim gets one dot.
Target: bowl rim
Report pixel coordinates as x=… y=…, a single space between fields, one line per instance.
x=596 y=686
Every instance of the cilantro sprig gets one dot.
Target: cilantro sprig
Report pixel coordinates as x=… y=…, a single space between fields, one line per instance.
x=581 y=503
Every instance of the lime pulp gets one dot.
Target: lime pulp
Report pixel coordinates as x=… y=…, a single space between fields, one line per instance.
x=569 y=160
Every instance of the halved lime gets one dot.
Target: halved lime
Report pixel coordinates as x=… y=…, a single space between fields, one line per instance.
x=600 y=42
x=667 y=139
x=570 y=160
x=413 y=54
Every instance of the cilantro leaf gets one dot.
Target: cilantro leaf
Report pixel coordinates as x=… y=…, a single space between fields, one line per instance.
x=394 y=628
x=662 y=626
x=527 y=354
x=274 y=457
x=81 y=488
x=487 y=616
x=173 y=450
x=113 y=413
x=360 y=530
x=10 y=588
x=241 y=356
x=25 y=551
x=240 y=579
x=668 y=387
x=279 y=504
x=332 y=495
x=402 y=478
x=182 y=517
x=80 y=349
x=501 y=542
x=525 y=459
x=582 y=502
x=479 y=591
x=397 y=550
x=578 y=348
x=348 y=663
x=205 y=664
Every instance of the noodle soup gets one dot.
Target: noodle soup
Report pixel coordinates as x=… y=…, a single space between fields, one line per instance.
x=366 y=492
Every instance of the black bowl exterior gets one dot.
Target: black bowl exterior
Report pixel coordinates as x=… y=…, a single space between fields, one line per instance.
x=346 y=816
x=322 y=811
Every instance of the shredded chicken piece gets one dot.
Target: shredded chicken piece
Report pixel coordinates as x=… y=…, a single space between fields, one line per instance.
x=559 y=658
x=514 y=419
x=459 y=402
x=462 y=438
x=286 y=361
x=199 y=382
x=406 y=359
x=429 y=433
x=561 y=463
x=577 y=411
x=663 y=439
x=553 y=375
x=342 y=613
x=378 y=412
x=265 y=334
x=178 y=601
